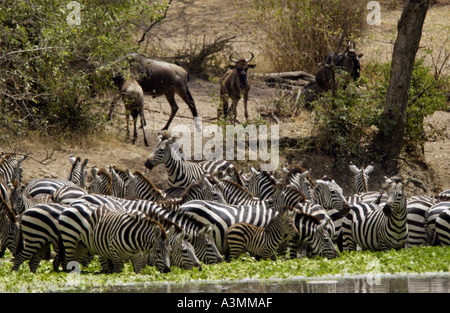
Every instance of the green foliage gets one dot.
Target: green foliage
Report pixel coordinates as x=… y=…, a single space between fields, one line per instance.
x=300 y=34
x=55 y=67
x=412 y=260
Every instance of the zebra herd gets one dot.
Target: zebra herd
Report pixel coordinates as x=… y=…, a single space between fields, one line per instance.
x=210 y=212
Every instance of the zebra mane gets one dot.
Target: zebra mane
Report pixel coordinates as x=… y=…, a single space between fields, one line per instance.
x=146 y=217
x=9 y=212
x=104 y=173
x=147 y=180
x=309 y=217
x=236 y=174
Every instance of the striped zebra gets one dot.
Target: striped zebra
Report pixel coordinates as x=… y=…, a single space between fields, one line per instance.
x=299 y=177
x=315 y=234
x=101 y=183
x=68 y=193
x=386 y=227
x=431 y=217
x=119 y=182
x=444 y=195
x=45 y=186
x=9 y=171
x=21 y=200
x=261 y=242
x=123 y=236
x=9 y=229
x=39 y=230
x=180 y=172
x=141 y=187
x=418 y=209
x=361 y=177
x=182 y=253
x=443 y=227
x=260 y=184
x=199 y=235
x=78 y=173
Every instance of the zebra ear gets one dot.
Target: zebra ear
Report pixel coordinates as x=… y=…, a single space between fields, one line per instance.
x=369 y=169
x=131 y=176
x=255 y=172
x=354 y=169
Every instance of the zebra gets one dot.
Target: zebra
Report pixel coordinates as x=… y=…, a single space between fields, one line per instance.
x=199 y=235
x=101 y=183
x=260 y=184
x=9 y=171
x=443 y=227
x=68 y=193
x=9 y=229
x=45 y=186
x=38 y=230
x=299 y=177
x=119 y=182
x=181 y=173
x=261 y=242
x=361 y=177
x=430 y=218
x=182 y=253
x=78 y=173
x=418 y=209
x=315 y=234
x=141 y=187
x=444 y=195
x=385 y=227
x=21 y=200
x=127 y=236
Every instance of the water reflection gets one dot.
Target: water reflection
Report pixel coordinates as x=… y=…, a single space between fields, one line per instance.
x=359 y=284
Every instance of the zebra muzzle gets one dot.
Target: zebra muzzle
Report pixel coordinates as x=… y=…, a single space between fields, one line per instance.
x=387 y=210
x=149 y=164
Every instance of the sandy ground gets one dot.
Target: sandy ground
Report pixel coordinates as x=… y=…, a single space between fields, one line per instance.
x=205 y=19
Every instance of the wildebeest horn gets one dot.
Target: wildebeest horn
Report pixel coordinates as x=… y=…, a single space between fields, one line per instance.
x=231 y=58
x=251 y=58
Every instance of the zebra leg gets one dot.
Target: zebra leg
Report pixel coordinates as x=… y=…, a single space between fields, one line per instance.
x=138 y=263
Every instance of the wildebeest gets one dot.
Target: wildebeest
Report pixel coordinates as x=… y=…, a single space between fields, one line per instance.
x=347 y=61
x=235 y=84
x=133 y=100
x=157 y=78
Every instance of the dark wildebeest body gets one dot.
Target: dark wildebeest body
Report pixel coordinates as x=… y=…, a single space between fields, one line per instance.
x=347 y=61
x=158 y=78
x=235 y=84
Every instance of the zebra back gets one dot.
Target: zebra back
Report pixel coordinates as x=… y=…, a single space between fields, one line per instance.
x=67 y=194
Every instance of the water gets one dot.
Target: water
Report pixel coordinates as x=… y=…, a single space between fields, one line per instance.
x=429 y=283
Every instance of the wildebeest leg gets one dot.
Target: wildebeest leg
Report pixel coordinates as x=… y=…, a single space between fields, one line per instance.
x=185 y=94
x=233 y=110
x=111 y=108
x=245 y=106
x=174 y=108
x=143 y=123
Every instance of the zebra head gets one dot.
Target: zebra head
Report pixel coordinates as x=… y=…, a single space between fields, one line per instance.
x=205 y=247
x=9 y=232
x=160 y=252
x=396 y=196
x=329 y=195
x=78 y=173
x=361 y=177
x=183 y=253
x=163 y=151
x=325 y=245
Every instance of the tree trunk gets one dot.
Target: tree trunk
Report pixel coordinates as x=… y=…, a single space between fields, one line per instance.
x=389 y=139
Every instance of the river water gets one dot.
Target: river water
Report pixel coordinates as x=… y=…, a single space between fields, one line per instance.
x=426 y=283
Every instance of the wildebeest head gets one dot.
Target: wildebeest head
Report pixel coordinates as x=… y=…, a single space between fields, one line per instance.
x=242 y=66
x=347 y=61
